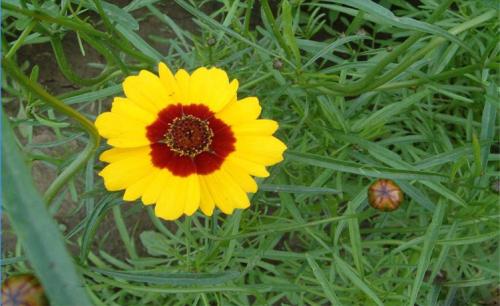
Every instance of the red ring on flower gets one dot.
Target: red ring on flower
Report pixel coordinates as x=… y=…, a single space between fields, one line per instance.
x=222 y=142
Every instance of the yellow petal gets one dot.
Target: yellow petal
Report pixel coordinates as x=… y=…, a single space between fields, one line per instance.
x=266 y=150
x=198 y=82
x=158 y=183
x=181 y=195
x=192 y=194
x=226 y=193
x=182 y=79
x=207 y=203
x=110 y=124
x=251 y=167
x=212 y=88
x=116 y=154
x=240 y=176
x=241 y=111
x=263 y=127
x=218 y=91
x=147 y=91
x=167 y=78
x=123 y=173
x=125 y=107
x=134 y=191
x=129 y=140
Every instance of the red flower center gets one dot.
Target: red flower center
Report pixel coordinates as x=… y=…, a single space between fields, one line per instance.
x=189 y=136
x=188 y=139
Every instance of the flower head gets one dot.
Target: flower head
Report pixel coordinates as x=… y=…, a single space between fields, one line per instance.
x=185 y=142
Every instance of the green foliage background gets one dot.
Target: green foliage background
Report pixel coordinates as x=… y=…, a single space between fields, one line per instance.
x=406 y=90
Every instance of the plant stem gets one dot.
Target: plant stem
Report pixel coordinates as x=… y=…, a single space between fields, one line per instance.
x=94 y=139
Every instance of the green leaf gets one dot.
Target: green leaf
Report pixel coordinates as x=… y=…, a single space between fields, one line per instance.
x=155 y=243
x=330 y=47
x=175 y=279
x=349 y=273
x=387 y=113
x=297 y=189
x=93 y=95
x=288 y=33
x=320 y=276
x=35 y=228
x=488 y=121
x=429 y=242
x=139 y=43
x=120 y=16
x=385 y=16
x=361 y=169
x=93 y=221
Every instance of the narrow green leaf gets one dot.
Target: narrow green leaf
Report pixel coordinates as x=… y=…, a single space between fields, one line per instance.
x=429 y=242
x=139 y=43
x=385 y=16
x=349 y=273
x=323 y=281
x=175 y=279
x=93 y=95
x=388 y=112
x=298 y=189
x=488 y=121
x=92 y=223
x=476 y=149
x=211 y=22
x=417 y=195
x=366 y=170
x=355 y=238
x=492 y=236
x=155 y=243
x=288 y=33
x=332 y=46
x=35 y=228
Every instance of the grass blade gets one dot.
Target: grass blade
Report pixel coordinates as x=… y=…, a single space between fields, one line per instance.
x=298 y=189
x=429 y=243
x=349 y=272
x=176 y=279
x=385 y=16
x=367 y=170
x=320 y=276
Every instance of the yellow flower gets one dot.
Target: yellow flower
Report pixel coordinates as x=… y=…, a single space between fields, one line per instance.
x=185 y=142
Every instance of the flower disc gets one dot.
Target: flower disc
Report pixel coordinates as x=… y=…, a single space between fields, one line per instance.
x=385 y=195
x=185 y=142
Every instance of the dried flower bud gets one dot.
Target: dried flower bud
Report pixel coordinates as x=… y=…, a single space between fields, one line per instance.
x=210 y=41
x=385 y=195
x=277 y=64
x=495 y=186
x=23 y=289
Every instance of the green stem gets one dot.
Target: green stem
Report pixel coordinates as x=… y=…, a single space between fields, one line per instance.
x=19 y=42
x=93 y=143
x=248 y=16
x=70 y=24
x=121 y=41
x=65 y=68
x=270 y=17
x=108 y=53
x=80 y=27
x=124 y=235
